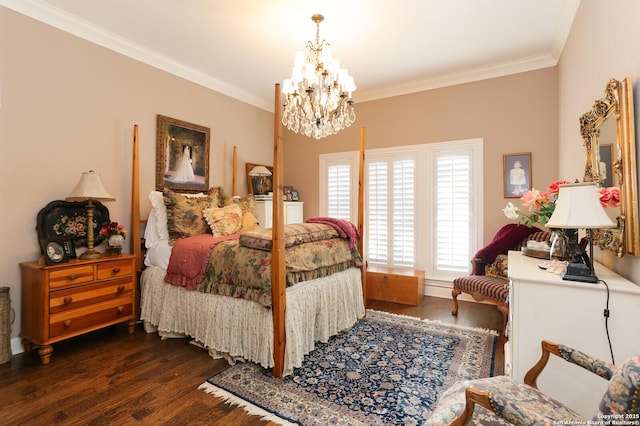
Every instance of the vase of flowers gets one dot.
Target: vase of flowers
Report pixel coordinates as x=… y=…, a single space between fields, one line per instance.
x=114 y=235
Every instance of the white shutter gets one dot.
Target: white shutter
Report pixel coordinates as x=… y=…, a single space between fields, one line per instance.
x=339 y=191
x=377 y=212
x=453 y=211
x=404 y=213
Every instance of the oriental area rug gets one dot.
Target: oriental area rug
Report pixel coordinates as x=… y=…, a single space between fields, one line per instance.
x=386 y=370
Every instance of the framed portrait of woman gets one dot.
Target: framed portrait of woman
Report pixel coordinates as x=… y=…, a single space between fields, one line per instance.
x=182 y=155
x=517 y=174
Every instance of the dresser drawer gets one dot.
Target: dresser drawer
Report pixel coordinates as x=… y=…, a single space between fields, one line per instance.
x=115 y=269
x=76 y=321
x=71 y=276
x=77 y=297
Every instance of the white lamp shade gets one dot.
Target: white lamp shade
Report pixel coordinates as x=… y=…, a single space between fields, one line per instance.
x=578 y=207
x=90 y=187
x=259 y=171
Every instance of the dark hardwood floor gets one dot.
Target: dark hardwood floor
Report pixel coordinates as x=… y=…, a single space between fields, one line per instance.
x=110 y=377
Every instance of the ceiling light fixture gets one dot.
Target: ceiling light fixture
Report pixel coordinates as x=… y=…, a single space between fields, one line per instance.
x=318 y=99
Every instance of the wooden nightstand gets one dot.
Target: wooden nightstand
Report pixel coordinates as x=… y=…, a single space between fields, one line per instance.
x=63 y=301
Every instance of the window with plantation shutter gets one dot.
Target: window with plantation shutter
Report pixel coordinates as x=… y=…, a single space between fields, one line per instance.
x=423 y=203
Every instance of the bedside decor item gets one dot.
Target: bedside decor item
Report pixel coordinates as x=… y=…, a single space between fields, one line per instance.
x=259 y=179
x=182 y=155
x=114 y=235
x=68 y=221
x=516 y=174
x=54 y=251
x=579 y=207
x=7 y=316
x=90 y=188
x=318 y=99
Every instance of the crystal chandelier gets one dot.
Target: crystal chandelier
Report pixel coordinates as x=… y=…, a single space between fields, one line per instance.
x=318 y=95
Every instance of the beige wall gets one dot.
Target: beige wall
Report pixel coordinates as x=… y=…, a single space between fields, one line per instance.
x=68 y=106
x=604 y=43
x=517 y=113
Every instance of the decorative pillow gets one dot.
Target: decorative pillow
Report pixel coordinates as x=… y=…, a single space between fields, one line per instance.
x=184 y=214
x=249 y=212
x=298 y=233
x=156 y=230
x=224 y=220
x=499 y=267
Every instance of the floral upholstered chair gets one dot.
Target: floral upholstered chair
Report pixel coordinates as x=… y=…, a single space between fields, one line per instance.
x=502 y=401
x=488 y=280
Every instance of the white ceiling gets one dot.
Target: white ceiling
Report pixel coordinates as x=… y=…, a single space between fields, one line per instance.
x=243 y=47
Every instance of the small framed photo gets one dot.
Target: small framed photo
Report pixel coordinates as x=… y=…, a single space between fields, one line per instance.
x=54 y=250
x=69 y=248
x=286 y=191
x=516 y=174
x=294 y=195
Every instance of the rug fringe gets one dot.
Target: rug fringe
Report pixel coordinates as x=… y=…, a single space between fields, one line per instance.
x=461 y=327
x=251 y=409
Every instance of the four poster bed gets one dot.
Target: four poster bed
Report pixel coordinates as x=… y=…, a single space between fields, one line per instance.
x=265 y=295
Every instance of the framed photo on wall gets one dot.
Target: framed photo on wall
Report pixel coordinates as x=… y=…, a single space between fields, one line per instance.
x=516 y=174
x=182 y=155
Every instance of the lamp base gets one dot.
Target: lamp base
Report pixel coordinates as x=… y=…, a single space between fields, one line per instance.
x=90 y=254
x=591 y=279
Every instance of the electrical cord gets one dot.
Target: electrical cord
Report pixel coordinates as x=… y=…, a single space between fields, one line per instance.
x=606 y=322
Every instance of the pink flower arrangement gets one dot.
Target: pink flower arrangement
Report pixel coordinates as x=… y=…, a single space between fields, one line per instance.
x=539 y=205
x=609 y=197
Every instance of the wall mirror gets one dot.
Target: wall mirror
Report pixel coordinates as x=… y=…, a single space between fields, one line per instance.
x=609 y=140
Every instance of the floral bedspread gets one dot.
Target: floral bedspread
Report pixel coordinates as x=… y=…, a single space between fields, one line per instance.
x=238 y=271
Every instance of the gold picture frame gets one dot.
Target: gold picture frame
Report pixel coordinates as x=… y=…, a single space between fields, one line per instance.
x=182 y=155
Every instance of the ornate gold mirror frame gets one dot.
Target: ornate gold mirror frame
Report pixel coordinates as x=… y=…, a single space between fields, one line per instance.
x=617 y=169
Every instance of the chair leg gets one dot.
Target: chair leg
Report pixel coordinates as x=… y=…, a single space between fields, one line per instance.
x=505 y=317
x=454 y=294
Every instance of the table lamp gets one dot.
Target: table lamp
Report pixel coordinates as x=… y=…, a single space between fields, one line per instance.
x=90 y=188
x=578 y=207
x=261 y=172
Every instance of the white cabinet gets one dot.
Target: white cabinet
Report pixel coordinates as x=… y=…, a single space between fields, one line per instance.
x=543 y=306
x=293 y=212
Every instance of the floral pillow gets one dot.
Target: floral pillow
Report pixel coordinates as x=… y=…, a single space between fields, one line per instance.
x=224 y=220
x=249 y=212
x=184 y=214
x=499 y=267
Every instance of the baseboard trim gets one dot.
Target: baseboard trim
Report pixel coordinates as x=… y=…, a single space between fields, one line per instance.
x=16 y=346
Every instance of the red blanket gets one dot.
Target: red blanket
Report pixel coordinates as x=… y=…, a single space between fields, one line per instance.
x=345 y=228
x=190 y=257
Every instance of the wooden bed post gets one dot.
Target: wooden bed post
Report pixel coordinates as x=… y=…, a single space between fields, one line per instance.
x=278 y=285
x=361 y=217
x=234 y=187
x=135 y=203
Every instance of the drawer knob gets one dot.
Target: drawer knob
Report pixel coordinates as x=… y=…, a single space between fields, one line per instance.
x=68 y=300
x=116 y=270
x=120 y=288
x=120 y=309
x=73 y=277
x=67 y=323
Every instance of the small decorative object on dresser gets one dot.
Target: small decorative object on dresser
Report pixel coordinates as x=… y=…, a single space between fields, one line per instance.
x=54 y=251
x=114 y=235
x=63 y=301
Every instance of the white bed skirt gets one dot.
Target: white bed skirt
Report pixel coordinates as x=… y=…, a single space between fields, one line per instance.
x=237 y=329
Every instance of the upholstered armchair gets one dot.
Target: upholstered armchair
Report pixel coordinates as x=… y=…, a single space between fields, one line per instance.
x=488 y=280
x=500 y=400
